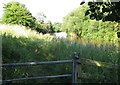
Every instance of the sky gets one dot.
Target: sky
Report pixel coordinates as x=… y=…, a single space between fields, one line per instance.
x=54 y=10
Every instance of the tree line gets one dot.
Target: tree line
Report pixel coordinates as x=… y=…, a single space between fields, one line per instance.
x=98 y=20
x=90 y=19
x=17 y=13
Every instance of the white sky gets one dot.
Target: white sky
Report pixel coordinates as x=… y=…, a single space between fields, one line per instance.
x=55 y=10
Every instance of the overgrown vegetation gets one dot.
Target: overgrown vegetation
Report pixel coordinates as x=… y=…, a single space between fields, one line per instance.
x=30 y=46
x=20 y=44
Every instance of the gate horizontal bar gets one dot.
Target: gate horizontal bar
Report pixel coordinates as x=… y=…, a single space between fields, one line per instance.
x=39 y=77
x=35 y=63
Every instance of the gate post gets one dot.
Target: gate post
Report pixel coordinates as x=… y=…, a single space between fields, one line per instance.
x=75 y=71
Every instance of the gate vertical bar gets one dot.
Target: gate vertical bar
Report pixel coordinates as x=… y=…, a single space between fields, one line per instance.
x=75 y=71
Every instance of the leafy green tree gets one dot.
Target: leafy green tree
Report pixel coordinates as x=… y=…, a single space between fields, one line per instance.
x=17 y=13
x=77 y=22
x=106 y=10
x=74 y=20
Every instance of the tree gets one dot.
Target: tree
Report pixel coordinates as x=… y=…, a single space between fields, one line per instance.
x=17 y=13
x=104 y=10
x=57 y=27
x=49 y=27
x=80 y=24
x=40 y=17
x=73 y=22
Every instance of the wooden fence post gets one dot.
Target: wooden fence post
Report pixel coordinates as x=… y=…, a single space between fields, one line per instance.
x=75 y=71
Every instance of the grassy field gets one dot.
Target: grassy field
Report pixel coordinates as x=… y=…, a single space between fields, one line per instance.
x=22 y=45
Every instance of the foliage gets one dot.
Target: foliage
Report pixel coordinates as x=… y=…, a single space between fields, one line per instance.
x=79 y=23
x=29 y=46
x=40 y=28
x=17 y=13
x=74 y=20
x=57 y=27
x=104 y=10
x=99 y=30
x=48 y=27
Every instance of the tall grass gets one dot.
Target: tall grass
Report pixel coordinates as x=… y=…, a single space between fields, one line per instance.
x=22 y=45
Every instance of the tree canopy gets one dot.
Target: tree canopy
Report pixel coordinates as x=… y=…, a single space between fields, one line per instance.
x=74 y=20
x=82 y=24
x=17 y=13
x=104 y=10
